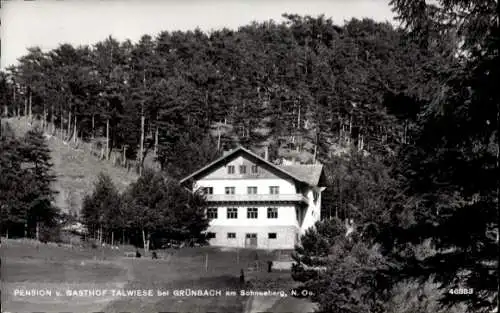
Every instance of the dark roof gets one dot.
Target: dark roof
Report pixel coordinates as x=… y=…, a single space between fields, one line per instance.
x=308 y=174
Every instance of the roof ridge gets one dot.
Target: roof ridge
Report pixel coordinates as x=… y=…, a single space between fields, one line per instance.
x=250 y=153
x=318 y=164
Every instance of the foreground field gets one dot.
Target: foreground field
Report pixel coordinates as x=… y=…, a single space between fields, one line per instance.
x=30 y=266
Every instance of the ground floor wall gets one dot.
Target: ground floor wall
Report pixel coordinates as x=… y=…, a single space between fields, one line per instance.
x=259 y=237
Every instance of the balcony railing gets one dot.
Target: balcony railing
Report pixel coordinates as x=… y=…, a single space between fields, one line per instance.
x=258 y=198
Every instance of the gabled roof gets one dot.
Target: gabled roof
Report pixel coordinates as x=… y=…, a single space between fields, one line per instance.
x=308 y=174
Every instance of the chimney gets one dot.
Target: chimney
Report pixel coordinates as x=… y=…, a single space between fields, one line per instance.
x=266 y=153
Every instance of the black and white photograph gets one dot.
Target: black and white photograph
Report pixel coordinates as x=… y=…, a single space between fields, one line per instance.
x=249 y=156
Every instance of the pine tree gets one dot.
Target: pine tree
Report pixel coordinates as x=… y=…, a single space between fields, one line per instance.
x=101 y=210
x=39 y=179
x=453 y=168
x=343 y=273
x=158 y=207
x=13 y=208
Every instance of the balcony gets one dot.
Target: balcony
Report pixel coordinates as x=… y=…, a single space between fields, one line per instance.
x=290 y=198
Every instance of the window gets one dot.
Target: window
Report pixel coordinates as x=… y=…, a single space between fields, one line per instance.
x=272 y=212
x=230 y=169
x=255 y=169
x=208 y=190
x=210 y=235
x=229 y=190
x=252 y=190
x=252 y=213
x=231 y=235
x=274 y=190
x=232 y=212
x=243 y=169
x=212 y=213
x=271 y=235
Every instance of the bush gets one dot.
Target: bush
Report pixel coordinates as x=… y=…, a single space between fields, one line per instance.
x=50 y=234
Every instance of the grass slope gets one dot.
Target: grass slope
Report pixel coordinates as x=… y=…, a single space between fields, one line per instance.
x=76 y=170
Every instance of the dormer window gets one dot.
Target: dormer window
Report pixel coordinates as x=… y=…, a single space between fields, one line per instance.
x=243 y=169
x=230 y=169
x=255 y=169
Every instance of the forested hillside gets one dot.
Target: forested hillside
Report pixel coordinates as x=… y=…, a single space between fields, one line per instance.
x=305 y=87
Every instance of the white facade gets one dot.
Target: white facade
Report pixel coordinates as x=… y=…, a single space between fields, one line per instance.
x=281 y=206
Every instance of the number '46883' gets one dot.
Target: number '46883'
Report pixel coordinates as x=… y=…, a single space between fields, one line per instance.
x=461 y=291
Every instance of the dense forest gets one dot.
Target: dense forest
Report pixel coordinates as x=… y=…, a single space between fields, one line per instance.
x=304 y=84
x=404 y=119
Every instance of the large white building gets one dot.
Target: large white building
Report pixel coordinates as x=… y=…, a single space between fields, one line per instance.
x=256 y=204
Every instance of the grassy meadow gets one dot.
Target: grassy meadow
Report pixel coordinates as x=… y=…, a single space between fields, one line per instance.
x=30 y=265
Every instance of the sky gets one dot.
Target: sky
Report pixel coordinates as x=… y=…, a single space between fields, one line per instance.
x=49 y=23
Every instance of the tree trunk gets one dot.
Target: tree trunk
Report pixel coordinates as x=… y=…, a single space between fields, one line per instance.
x=5 y=110
x=406 y=133
x=156 y=141
x=25 y=107
x=107 y=139
x=44 y=118
x=100 y=235
x=124 y=160
x=112 y=238
x=52 y=116
x=62 y=125
x=218 y=138
x=69 y=124
x=7 y=233
x=30 y=112
x=141 y=151
x=145 y=241
x=350 y=128
x=37 y=231
x=74 y=131
x=298 y=119
x=341 y=128
x=315 y=153
x=93 y=126
x=14 y=101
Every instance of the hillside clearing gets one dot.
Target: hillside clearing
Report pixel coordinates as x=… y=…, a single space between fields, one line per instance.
x=76 y=170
